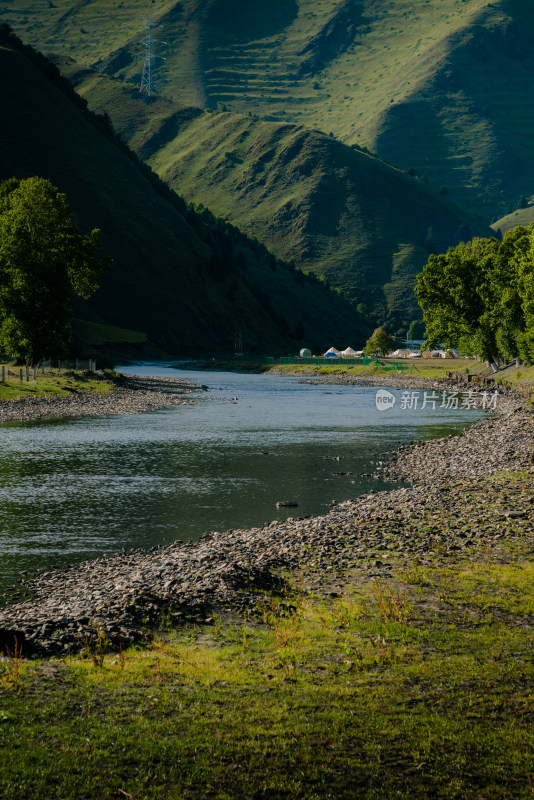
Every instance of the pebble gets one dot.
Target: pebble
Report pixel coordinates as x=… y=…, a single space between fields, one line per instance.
x=452 y=506
x=134 y=395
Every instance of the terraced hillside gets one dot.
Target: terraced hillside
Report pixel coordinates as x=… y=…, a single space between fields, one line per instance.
x=185 y=282
x=339 y=212
x=443 y=86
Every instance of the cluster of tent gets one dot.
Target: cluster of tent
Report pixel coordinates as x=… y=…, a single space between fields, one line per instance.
x=441 y=354
x=400 y=353
x=348 y=353
x=351 y=353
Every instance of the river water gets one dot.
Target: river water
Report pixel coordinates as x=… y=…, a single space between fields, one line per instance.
x=72 y=489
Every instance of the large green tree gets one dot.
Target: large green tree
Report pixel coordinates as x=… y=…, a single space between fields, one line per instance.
x=453 y=290
x=380 y=342
x=479 y=296
x=44 y=262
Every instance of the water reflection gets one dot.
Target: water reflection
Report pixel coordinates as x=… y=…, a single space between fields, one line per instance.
x=72 y=489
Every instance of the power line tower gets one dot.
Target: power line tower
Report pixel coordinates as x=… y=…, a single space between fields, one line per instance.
x=149 y=80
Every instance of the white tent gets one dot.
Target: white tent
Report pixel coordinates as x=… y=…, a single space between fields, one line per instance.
x=332 y=352
x=349 y=353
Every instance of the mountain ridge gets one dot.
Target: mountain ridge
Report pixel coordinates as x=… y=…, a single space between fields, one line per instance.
x=342 y=213
x=186 y=280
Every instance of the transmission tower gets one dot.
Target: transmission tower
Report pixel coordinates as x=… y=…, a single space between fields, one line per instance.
x=149 y=80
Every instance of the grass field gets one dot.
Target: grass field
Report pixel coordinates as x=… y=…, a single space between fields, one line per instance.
x=418 y=686
x=53 y=382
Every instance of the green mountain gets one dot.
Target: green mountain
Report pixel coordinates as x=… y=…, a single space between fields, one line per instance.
x=442 y=86
x=364 y=225
x=186 y=281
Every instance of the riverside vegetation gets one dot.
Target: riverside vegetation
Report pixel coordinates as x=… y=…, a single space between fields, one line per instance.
x=384 y=649
x=68 y=393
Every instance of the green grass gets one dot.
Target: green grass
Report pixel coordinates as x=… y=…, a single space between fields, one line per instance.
x=422 y=368
x=438 y=87
x=364 y=225
x=523 y=216
x=53 y=382
x=96 y=334
x=410 y=689
x=414 y=684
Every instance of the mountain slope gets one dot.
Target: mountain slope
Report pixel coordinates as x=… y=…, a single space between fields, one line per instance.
x=366 y=226
x=523 y=216
x=443 y=86
x=187 y=281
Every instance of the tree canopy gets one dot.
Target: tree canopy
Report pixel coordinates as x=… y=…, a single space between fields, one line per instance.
x=479 y=297
x=416 y=329
x=380 y=342
x=44 y=262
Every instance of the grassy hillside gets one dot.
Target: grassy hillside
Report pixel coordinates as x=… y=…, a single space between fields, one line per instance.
x=523 y=216
x=366 y=226
x=442 y=86
x=189 y=283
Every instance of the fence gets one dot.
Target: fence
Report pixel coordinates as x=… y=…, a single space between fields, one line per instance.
x=45 y=368
x=387 y=366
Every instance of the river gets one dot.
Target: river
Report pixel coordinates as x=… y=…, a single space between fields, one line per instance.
x=72 y=489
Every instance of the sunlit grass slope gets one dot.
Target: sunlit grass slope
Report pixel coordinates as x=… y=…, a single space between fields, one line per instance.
x=439 y=85
x=523 y=216
x=363 y=224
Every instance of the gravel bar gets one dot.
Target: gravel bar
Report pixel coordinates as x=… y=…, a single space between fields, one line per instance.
x=466 y=497
x=132 y=396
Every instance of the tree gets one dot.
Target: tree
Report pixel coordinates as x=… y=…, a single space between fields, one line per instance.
x=380 y=342
x=517 y=312
x=44 y=261
x=416 y=330
x=479 y=296
x=453 y=290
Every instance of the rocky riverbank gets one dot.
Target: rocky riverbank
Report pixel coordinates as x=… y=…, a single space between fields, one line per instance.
x=132 y=395
x=502 y=441
x=402 y=380
x=121 y=598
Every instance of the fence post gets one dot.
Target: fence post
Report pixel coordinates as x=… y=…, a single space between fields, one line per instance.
x=3 y=374
x=21 y=374
x=35 y=373
x=27 y=373
x=76 y=365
